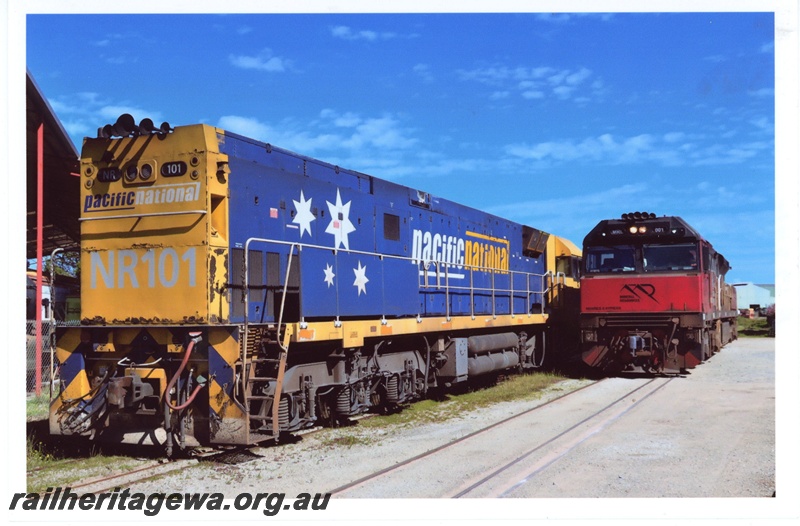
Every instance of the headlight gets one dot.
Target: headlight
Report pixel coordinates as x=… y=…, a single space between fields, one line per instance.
x=146 y=173
x=131 y=172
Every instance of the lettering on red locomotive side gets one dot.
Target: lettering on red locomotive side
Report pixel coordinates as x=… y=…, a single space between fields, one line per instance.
x=635 y=292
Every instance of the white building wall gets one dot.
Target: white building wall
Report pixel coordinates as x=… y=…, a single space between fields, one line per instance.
x=748 y=294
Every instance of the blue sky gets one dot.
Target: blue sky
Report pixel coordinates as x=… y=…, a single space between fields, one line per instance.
x=553 y=120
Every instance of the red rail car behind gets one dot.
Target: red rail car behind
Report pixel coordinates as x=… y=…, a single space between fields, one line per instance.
x=653 y=296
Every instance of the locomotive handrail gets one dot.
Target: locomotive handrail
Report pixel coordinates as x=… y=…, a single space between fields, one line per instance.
x=139 y=216
x=423 y=265
x=51 y=341
x=276 y=397
x=246 y=299
x=493 y=289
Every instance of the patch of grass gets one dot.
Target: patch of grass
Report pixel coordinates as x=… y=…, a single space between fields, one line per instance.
x=518 y=387
x=37 y=407
x=36 y=456
x=47 y=471
x=755 y=327
x=62 y=460
x=347 y=440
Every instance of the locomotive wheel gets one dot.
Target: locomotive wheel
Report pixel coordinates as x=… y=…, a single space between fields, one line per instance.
x=326 y=412
x=378 y=402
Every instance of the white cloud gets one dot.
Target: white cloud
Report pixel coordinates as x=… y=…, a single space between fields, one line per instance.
x=533 y=82
x=78 y=128
x=424 y=72
x=558 y=78
x=264 y=61
x=563 y=92
x=246 y=126
x=762 y=93
x=111 y=112
x=564 y=18
x=554 y=18
x=602 y=148
x=670 y=149
x=346 y=120
x=764 y=124
x=381 y=132
x=333 y=132
x=344 y=32
x=721 y=154
x=573 y=79
x=83 y=113
x=674 y=137
x=532 y=94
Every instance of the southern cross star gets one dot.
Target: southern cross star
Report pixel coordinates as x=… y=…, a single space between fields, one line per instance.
x=329 y=275
x=304 y=216
x=340 y=225
x=361 y=279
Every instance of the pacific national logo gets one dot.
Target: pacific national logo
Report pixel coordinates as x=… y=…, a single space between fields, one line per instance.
x=636 y=292
x=478 y=251
x=130 y=199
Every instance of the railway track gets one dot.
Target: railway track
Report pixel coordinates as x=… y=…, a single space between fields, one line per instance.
x=496 y=483
x=525 y=463
x=502 y=481
x=156 y=468
x=150 y=470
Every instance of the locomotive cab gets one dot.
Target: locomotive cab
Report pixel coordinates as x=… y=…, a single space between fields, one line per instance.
x=653 y=296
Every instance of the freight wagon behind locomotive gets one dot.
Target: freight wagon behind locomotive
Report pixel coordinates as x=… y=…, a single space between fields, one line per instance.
x=233 y=291
x=653 y=296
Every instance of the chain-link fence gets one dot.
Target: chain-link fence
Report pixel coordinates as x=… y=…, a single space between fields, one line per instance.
x=44 y=372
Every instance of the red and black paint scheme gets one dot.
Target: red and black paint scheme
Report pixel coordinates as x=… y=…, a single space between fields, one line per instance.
x=653 y=296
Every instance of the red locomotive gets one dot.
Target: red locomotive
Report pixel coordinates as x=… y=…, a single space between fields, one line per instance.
x=653 y=296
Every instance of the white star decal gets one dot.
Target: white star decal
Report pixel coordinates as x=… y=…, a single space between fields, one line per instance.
x=329 y=275
x=340 y=225
x=304 y=216
x=361 y=279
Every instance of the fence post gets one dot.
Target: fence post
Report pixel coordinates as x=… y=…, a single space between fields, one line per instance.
x=39 y=243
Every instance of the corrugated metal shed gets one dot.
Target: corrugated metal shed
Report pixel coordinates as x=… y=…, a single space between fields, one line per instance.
x=748 y=294
x=61 y=188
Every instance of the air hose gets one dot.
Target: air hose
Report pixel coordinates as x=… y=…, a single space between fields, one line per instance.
x=196 y=338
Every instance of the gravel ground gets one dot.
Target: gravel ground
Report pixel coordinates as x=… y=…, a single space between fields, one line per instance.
x=317 y=463
x=710 y=434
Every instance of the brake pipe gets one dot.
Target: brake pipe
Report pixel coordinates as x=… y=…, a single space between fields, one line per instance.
x=195 y=339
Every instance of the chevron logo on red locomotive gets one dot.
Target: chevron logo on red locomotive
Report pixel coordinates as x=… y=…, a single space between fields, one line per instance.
x=636 y=292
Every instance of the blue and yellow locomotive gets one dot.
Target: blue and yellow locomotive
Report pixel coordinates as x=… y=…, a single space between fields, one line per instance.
x=233 y=291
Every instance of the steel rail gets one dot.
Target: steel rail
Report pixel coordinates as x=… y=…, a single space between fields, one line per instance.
x=450 y=444
x=493 y=475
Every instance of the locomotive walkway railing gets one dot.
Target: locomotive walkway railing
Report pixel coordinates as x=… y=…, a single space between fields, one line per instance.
x=442 y=281
x=437 y=279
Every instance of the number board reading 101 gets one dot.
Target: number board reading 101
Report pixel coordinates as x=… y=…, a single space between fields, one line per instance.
x=173 y=169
